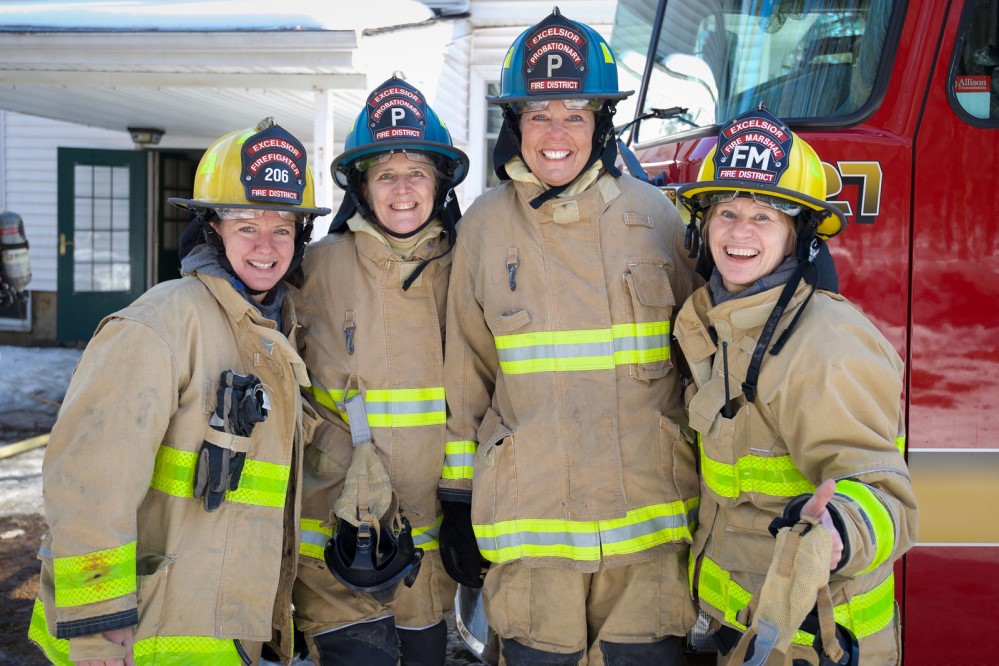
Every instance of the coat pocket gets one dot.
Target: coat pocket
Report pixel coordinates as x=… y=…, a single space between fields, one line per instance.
x=152 y=571
x=652 y=304
x=494 y=481
x=679 y=459
x=510 y=321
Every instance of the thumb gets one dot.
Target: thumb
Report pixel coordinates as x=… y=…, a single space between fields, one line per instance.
x=816 y=504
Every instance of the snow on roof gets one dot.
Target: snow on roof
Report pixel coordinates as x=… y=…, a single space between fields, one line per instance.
x=205 y=15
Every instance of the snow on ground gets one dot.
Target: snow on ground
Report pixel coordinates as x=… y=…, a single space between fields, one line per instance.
x=34 y=382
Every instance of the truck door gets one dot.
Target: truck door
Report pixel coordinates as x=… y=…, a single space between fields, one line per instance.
x=951 y=586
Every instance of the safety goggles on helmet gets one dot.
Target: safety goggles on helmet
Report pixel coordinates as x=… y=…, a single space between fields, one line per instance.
x=366 y=163
x=255 y=214
x=783 y=205
x=531 y=106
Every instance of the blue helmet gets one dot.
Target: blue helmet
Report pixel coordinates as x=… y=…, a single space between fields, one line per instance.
x=396 y=117
x=559 y=59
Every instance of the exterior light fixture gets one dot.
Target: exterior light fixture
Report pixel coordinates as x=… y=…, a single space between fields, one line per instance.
x=145 y=136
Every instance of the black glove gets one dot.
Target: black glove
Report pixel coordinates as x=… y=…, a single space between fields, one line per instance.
x=217 y=470
x=241 y=403
x=459 y=552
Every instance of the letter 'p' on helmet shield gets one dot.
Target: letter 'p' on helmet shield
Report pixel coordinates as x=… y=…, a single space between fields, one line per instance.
x=559 y=59
x=397 y=117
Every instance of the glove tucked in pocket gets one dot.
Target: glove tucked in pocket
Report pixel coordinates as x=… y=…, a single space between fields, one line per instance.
x=241 y=404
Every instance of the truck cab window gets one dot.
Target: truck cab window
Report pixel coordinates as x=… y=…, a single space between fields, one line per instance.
x=718 y=58
x=974 y=81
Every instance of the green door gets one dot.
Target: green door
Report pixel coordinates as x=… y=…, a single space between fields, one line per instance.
x=102 y=237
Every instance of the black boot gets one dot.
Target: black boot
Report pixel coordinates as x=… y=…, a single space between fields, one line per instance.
x=665 y=652
x=369 y=643
x=424 y=647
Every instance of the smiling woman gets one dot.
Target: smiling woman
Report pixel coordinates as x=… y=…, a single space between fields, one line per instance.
x=259 y=249
x=748 y=240
x=819 y=409
x=214 y=374
x=372 y=309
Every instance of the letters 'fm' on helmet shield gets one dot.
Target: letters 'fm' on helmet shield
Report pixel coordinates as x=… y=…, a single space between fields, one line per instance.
x=262 y=167
x=396 y=117
x=558 y=59
x=757 y=155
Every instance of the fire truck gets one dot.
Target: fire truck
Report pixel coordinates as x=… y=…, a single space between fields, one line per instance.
x=901 y=101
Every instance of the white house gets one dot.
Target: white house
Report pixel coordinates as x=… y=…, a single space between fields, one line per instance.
x=75 y=75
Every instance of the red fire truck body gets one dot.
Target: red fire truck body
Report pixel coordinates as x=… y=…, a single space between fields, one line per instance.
x=901 y=102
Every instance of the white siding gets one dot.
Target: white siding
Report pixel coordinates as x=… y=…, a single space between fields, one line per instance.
x=29 y=159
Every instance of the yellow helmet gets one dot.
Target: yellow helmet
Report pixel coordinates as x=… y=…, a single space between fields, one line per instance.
x=758 y=156
x=257 y=167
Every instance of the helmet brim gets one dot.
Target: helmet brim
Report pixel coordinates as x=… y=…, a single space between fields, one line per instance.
x=829 y=227
x=194 y=205
x=449 y=152
x=510 y=99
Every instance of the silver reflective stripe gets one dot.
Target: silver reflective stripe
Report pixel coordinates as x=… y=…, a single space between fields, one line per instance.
x=359 y=430
x=532 y=352
x=649 y=526
x=405 y=407
x=314 y=538
x=516 y=539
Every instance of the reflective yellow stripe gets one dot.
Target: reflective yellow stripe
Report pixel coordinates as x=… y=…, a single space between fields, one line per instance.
x=596 y=349
x=777 y=477
x=639 y=530
x=391 y=408
x=260 y=484
x=158 y=650
x=608 y=56
x=878 y=517
x=870 y=612
x=93 y=577
x=426 y=537
x=864 y=614
x=459 y=459
x=900 y=444
x=312 y=537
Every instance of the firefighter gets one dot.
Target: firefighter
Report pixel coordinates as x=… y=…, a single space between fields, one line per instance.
x=372 y=309
x=565 y=468
x=795 y=396
x=172 y=476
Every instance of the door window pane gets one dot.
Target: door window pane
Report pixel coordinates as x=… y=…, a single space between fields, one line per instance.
x=101 y=258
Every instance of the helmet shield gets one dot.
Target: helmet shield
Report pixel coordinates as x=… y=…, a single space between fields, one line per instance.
x=396 y=117
x=261 y=167
x=757 y=155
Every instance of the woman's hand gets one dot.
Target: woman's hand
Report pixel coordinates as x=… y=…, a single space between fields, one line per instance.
x=816 y=508
x=122 y=637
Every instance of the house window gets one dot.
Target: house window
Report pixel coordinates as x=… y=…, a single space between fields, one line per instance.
x=494 y=120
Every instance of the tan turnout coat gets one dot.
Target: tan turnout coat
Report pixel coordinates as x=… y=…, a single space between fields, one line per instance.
x=828 y=406
x=118 y=478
